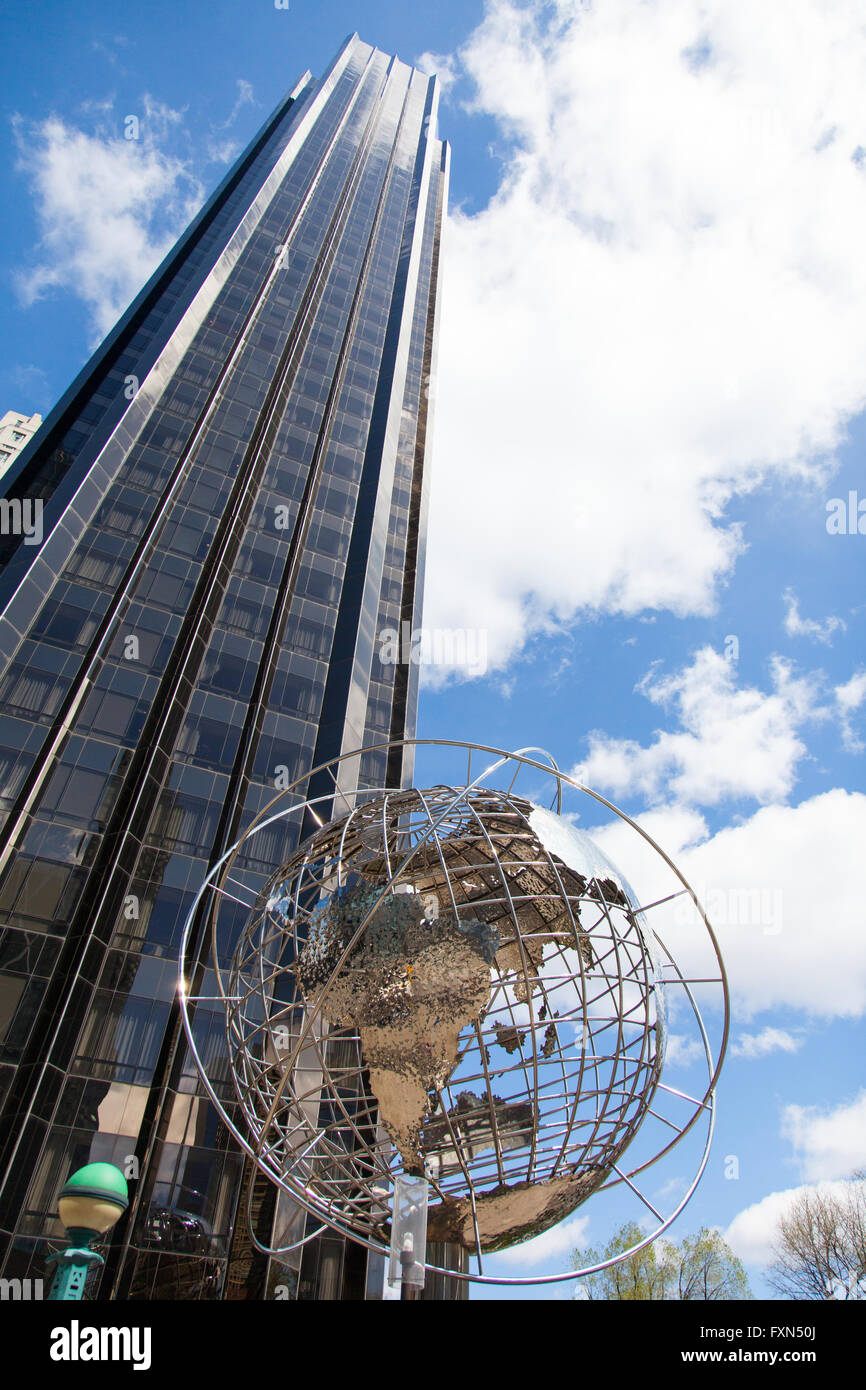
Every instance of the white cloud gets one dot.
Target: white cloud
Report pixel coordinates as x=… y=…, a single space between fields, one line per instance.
x=159 y=117
x=831 y=1143
x=682 y=1051
x=755 y=1045
x=852 y=693
x=752 y=1233
x=660 y=307
x=245 y=97
x=97 y=106
x=797 y=626
x=553 y=1244
x=782 y=891
x=444 y=65
x=223 y=151
x=108 y=210
x=849 y=697
x=675 y=1187
x=733 y=742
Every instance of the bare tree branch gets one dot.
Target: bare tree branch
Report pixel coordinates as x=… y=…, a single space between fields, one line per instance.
x=820 y=1246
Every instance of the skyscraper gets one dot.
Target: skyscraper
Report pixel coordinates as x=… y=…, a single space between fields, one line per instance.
x=231 y=504
x=15 y=432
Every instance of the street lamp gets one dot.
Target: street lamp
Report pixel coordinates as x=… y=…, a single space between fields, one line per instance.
x=89 y=1204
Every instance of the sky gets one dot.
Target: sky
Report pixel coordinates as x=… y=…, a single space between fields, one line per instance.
x=648 y=462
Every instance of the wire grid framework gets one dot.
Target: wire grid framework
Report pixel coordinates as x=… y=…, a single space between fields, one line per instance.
x=551 y=1077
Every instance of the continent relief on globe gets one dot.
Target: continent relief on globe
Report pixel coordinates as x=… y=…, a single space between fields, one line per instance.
x=419 y=975
x=410 y=986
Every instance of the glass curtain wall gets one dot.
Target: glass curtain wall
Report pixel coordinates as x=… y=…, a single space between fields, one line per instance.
x=234 y=506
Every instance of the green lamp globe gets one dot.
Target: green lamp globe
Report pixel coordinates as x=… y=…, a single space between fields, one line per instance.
x=93 y=1198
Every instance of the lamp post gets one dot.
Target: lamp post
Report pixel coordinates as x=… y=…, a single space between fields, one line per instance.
x=90 y=1202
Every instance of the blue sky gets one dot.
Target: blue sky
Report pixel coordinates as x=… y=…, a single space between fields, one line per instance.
x=651 y=389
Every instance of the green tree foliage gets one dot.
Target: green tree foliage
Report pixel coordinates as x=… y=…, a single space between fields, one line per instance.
x=702 y=1267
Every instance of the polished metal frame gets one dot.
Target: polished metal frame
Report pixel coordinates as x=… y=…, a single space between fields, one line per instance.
x=279 y=1090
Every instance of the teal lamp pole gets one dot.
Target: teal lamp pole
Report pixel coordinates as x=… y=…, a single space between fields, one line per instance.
x=89 y=1204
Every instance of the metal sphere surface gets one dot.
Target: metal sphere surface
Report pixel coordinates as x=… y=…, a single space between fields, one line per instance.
x=454 y=982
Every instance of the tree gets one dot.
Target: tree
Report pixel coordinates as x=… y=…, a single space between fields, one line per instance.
x=708 y=1270
x=820 y=1244
x=702 y=1267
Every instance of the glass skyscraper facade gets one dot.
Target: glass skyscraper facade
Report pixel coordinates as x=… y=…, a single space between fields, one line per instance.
x=231 y=504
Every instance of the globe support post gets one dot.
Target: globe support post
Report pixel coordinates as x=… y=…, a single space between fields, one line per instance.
x=408 y=1234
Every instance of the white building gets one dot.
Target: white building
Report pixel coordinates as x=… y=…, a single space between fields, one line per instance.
x=15 y=431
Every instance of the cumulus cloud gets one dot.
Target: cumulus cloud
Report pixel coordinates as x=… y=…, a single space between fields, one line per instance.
x=798 y=626
x=733 y=741
x=223 y=151
x=550 y=1245
x=828 y=1143
x=108 y=210
x=849 y=697
x=659 y=309
x=445 y=66
x=755 y=1045
x=752 y=1233
x=782 y=891
x=681 y=1051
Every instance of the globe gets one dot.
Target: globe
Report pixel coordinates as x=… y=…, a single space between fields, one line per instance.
x=453 y=983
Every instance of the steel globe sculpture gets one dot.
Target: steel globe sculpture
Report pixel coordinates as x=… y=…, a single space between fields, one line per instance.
x=453 y=983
